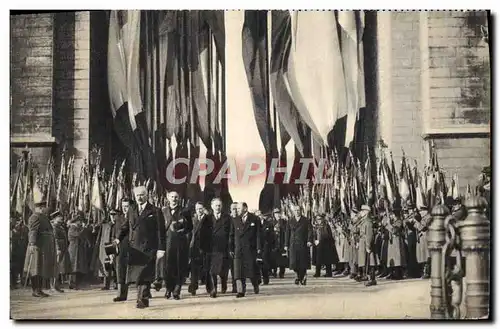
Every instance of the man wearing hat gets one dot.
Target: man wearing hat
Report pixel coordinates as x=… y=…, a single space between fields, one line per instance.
x=105 y=267
x=396 y=257
x=367 y=260
x=78 y=250
x=63 y=264
x=354 y=243
x=40 y=261
x=421 y=222
x=281 y=260
x=19 y=244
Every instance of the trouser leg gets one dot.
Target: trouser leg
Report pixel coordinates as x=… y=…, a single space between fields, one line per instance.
x=239 y=286
x=195 y=277
x=265 y=272
x=282 y=272
x=329 y=270
x=233 y=280
x=35 y=285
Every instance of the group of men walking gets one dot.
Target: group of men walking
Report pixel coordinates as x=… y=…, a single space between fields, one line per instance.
x=158 y=248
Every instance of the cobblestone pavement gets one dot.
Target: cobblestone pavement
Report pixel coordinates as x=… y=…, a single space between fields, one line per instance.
x=321 y=298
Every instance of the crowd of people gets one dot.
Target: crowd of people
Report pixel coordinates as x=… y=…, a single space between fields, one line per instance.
x=156 y=247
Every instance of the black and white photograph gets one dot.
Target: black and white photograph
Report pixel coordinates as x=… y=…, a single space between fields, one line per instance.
x=250 y=164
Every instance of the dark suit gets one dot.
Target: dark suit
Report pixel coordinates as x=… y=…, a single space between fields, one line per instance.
x=281 y=261
x=215 y=244
x=178 y=226
x=196 y=255
x=146 y=232
x=298 y=234
x=268 y=245
x=244 y=241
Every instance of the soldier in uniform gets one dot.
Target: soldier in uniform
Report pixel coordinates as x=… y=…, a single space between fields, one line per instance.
x=19 y=244
x=298 y=241
x=78 y=250
x=104 y=268
x=63 y=263
x=421 y=222
x=281 y=260
x=178 y=225
x=340 y=238
x=354 y=244
x=245 y=246
x=122 y=257
x=396 y=260
x=324 y=253
x=409 y=213
x=145 y=227
x=215 y=244
x=367 y=259
x=196 y=254
x=40 y=261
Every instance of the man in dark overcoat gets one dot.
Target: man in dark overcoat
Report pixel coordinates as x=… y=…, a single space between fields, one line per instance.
x=298 y=241
x=245 y=245
x=196 y=254
x=78 y=250
x=145 y=227
x=63 y=263
x=178 y=226
x=233 y=214
x=40 y=260
x=215 y=245
x=324 y=250
x=280 y=256
x=268 y=246
x=121 y=259
x=19 y=243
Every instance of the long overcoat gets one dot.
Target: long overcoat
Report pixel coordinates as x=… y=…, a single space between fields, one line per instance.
x=366 y=240
x=178 y=226
x=396 y=255
x=78 y=248
x=215 y=244
x=146 y=232
x=42 y=259
x=195 y=251
x=280 y=255
x=105 y=236
x=324 y=253
x=63 y=265
x=341 y=243
x=122 y=257
x=268 y=239
x=244 y=241
x=422 y=223
x=299 y=233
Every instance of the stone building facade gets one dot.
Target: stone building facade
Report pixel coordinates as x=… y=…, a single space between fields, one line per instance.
x=428 y=80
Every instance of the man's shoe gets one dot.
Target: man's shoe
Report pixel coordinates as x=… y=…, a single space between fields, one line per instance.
x=168 y=295
x=43 y=294
x=303 y=282
x=256 y=290
x=370 y=283
x=240 y=295
x=177 y=297
x=119 y=299
x=213 y=294
x=36 y=294
x=142 y=304
x=316 y=275
x=297 y=281
x=59 y=290
x=105 y=288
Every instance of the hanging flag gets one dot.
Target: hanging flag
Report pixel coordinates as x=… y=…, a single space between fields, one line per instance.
x=315 y=74
x=351 y=38
x=281 y=42
x=215 y=19
x=118 y=47
x=254 y=36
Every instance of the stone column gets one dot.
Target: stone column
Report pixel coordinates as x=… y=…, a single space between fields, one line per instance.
x=435 y=240
x=475 y=237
